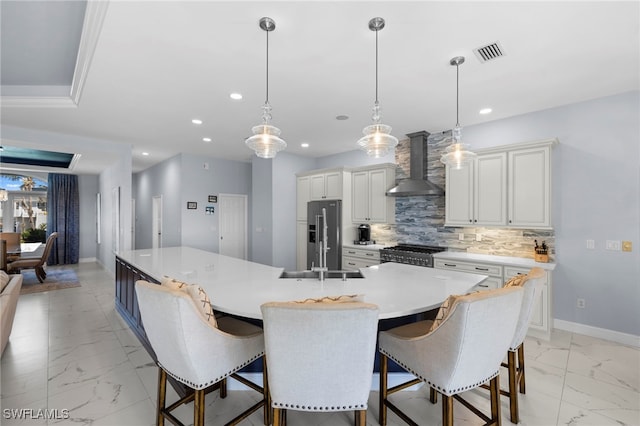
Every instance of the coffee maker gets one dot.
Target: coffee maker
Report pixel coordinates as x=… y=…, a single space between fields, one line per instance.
x=364 y=235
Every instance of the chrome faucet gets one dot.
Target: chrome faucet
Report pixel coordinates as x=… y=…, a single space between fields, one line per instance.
x=323 y=245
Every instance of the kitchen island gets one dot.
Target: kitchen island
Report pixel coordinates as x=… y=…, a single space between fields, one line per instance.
x=238 y=287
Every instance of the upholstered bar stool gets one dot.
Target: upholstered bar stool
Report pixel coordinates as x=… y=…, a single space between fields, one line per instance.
x=196 y=349
x=458 y=352
x=531 y=283
x=320 y=356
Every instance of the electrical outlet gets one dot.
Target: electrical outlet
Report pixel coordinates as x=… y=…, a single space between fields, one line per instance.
x=580 y=303
x=461 y=236
x=478 y=237
x=612 y=245
x=626 y=246
x=591 y=244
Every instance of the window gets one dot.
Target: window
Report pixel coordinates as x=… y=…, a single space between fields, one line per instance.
x=25 y=208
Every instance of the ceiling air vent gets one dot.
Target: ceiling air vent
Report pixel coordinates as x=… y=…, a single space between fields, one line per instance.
x=489 y=52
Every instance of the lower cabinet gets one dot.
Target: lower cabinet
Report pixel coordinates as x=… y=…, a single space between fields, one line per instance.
x=540 y=325
x=493 y=271
x=540 y=321
x=353 y=258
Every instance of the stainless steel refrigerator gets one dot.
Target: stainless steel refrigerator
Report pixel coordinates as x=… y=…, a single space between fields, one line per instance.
x=315 y=224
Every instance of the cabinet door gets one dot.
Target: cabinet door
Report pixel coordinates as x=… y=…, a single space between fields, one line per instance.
x=490 y=190
x=316 y=186
x=333 y=185
x=301 y=245
x=540 y=316
x=377 y=195
x=303 y=196
x=459 y=195
x=529 y=188
x=360 y=196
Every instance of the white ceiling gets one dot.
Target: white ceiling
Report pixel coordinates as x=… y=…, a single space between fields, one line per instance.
x=158 y=64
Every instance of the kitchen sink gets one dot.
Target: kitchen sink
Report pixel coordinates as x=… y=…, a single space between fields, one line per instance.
x=316 y=275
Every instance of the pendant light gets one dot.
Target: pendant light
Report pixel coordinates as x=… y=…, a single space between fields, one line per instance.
x=457 y=153
x=265 y=140
x=377 y=140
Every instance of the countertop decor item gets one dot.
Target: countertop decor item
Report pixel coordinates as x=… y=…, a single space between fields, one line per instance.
x=266 y=140
x=541 y=252
x=377 y=140
x=457 y=153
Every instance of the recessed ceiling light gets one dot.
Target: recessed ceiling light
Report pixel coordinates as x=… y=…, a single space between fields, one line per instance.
x=485 y=111
x=342 y=117
x=196 y=121
x=304 y=145
x=206 y=139
x=145 y=153
x=236 y=96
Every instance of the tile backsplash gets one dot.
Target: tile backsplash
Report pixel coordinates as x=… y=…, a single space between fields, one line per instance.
x=420 y=219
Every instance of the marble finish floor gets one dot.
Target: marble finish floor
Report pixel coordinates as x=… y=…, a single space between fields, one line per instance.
x=71 y=353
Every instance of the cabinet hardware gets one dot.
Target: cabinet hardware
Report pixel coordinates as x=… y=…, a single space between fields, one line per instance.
x=369 y=254
x=448 y=264
x=482 y=269
x=483 y=285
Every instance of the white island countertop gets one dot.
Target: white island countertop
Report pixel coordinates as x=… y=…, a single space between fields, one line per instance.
x=239 y=287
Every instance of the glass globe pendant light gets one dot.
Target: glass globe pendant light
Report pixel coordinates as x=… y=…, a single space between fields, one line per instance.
x=266 y=140
x=457 y=153
x=377 y=140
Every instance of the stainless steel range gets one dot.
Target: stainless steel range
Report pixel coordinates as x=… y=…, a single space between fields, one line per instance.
x=412 y=254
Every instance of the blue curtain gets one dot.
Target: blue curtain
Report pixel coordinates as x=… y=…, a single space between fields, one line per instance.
x=63 y=217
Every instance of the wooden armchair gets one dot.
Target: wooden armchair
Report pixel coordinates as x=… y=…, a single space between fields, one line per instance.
x=36 y=263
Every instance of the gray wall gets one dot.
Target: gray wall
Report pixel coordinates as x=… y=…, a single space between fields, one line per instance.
x=88 y=188
x=262 y=211
x=180 y=179
x=116 y=176
x=221 y=176
x=163 y=179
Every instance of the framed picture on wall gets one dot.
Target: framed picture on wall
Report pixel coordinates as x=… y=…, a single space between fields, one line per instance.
x=192 y=205
x=213 y=199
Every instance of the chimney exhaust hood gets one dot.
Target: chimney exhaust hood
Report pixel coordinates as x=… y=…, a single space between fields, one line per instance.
x=416 y=184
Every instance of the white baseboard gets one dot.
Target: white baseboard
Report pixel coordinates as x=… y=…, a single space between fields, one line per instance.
x=87 y=259
x=600 y=333
x=393 y=379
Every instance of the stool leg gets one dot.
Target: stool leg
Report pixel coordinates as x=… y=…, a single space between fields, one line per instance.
x=162 y=395
x=382 y=409
x=447 y=410
x=223 y=388
x=433 y=395
x=521 y=368
x=198 y=408
x=513 y=386
x=494 y=387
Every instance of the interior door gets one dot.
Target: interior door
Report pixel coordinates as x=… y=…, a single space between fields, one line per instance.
x=156 y=221
x=232 y=209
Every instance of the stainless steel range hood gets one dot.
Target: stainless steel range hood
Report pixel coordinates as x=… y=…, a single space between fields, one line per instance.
x=416 y=183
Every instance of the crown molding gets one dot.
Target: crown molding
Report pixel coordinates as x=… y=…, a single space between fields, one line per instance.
x=92 y=26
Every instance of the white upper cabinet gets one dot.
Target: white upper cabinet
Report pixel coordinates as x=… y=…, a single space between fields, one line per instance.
x=530 y=188
x=369 y=201
x=326 y=186
x=490 y=190
x=476 y=193
x=507 y=186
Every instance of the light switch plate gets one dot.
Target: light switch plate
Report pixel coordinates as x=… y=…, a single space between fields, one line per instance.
x=626 y=246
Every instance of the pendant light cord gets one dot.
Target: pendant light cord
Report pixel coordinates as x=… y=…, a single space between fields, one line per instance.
x=267 y=100
x=376 y=67
x=457 y=95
